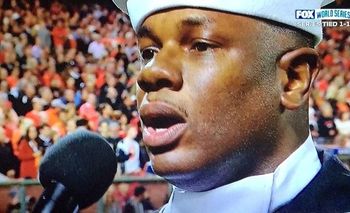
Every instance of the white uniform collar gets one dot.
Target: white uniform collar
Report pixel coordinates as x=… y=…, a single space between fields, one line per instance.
x=261 y=193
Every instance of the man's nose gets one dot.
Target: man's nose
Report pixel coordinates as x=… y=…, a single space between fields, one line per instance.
x=164 y=72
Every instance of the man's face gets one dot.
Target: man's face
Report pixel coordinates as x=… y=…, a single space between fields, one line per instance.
x=208 y=100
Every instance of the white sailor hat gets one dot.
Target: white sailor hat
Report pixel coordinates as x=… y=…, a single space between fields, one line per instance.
x=275 y=10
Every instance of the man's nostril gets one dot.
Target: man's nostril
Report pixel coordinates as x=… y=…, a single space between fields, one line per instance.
x=163 y=83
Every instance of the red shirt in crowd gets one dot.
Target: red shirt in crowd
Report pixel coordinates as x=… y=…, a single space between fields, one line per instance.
x=28 y=166
x=59 y=35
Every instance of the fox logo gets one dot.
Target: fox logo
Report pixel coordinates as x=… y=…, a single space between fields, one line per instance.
x=305 y=14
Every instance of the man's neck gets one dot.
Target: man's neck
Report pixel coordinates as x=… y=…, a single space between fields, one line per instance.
x=261 y=193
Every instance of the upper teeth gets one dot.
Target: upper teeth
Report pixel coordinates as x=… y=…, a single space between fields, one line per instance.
x=160 y=129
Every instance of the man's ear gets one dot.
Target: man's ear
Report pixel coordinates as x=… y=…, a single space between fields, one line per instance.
x=297 y=70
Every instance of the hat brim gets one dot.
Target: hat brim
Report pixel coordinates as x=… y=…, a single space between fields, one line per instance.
x=121 y=4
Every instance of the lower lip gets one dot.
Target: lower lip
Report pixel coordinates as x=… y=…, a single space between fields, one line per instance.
x=163 y=137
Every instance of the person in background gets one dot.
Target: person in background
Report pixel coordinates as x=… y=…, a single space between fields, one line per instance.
x=106 y=113
x=326 y=126
x=9 y=163
x=29 y=154
x=131 y=148
x=343 y=128
x=37 y=113
x=21 y=97
x=111 y=204
x=45 y=138
x=59 y=33
x=139 y=203
x=82 y=124
x=103 y=129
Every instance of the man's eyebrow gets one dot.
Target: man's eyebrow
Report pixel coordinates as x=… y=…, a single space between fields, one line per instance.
x=196 y=20
x=146 y=32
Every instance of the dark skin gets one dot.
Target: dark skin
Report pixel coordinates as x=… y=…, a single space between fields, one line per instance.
x=244 y=113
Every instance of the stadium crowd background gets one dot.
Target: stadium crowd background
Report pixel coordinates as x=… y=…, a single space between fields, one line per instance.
x=69 y=67
x=65 y=68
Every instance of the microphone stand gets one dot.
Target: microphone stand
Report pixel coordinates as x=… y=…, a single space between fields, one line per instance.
x=56 y=199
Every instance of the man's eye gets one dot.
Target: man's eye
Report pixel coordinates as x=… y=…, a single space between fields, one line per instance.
x=148 y=53
x=202 y=46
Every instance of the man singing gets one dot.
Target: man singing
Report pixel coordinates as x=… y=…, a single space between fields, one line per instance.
x=223 y=98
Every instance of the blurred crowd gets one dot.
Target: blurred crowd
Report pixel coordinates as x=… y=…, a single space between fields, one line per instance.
x=329 y=109
x=65 y=68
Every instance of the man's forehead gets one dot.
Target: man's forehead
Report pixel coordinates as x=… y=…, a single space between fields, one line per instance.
x=185 y=19
x=275 y=10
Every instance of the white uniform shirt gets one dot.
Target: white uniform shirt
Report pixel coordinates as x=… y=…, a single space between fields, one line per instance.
x=130 y=146
x=261 y=193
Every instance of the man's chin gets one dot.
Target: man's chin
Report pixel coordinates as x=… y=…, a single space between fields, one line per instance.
x=187 y=178
x=188 y=170
x=191 y=181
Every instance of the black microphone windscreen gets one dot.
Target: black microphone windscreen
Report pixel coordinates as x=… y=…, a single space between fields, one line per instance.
x=83 y=162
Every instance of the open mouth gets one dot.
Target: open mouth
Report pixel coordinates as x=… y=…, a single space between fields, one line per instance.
x=161 y=119
x=162 y=124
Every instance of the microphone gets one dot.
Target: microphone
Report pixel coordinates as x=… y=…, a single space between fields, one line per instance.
x=75 y=172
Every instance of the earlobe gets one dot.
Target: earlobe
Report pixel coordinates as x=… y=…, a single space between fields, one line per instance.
x=297 y=70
